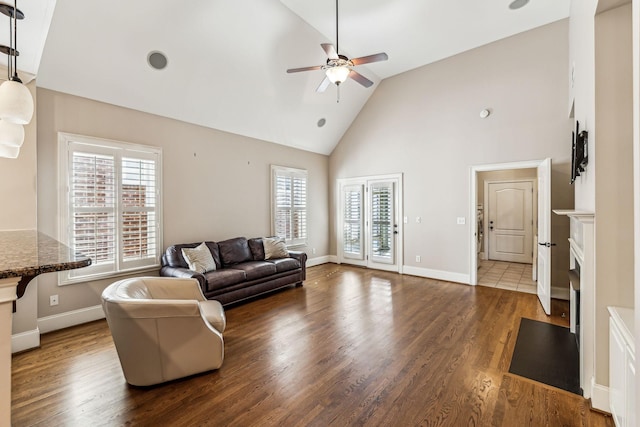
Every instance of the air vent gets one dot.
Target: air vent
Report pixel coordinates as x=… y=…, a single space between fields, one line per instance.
x=157 y=60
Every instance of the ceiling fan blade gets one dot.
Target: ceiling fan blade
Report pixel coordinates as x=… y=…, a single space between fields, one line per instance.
x=360 y=79
x=323 y=85
x=330 y=50
x=371 y=58
x=297 y=70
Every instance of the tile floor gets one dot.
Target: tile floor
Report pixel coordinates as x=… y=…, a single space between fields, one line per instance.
x=506 y=275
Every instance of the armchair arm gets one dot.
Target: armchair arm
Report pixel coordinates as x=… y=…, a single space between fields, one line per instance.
x=184 y=273
x=151 y=309
x=302 y=257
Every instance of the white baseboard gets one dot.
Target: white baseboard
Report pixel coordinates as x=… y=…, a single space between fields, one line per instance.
x=560 y=293
x=311 y=262
x=70 y=318
x=333 y=258
x=436 y=274
x=25 y=340
x=599 y=396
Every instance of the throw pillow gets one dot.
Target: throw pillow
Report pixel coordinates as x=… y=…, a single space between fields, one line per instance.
x=199 y=258
x=274 y=247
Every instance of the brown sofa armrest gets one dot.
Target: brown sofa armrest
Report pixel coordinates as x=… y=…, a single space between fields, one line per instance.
x=302 y=257
x=184 y=273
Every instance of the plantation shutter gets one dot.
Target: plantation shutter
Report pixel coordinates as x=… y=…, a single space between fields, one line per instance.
x=290 y=204
x=92 y=210
x=138 y=213
x=112 y=208
x=352 y=221
x=382 y=221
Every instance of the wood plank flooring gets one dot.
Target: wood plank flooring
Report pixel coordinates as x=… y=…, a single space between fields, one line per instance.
x=350 y=347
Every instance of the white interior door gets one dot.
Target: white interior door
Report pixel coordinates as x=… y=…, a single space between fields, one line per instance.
x=510 y=221
x=544 y=235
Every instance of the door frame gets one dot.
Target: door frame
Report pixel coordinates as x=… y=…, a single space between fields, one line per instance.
x=473 y=192
x=534 y=211
x=364 y=180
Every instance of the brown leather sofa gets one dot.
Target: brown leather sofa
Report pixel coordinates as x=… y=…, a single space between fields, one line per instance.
x=241 y=269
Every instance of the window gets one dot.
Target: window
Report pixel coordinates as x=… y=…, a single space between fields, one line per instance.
x=110 y=205
x=289 y=199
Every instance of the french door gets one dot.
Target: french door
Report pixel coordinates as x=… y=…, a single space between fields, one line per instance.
x=369 y=233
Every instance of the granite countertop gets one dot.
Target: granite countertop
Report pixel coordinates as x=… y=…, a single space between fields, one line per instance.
x=27 y=253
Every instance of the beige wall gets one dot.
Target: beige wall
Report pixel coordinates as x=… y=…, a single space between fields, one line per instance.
x=425 y=123
x=216 y=185
x=19 y=197
x=614 y=173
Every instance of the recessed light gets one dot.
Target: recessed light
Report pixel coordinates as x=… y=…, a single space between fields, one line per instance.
x=517 y=4
x=157 y=60
x=322 y=122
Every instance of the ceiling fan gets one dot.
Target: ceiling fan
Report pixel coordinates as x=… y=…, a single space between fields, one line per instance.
x=339 y=67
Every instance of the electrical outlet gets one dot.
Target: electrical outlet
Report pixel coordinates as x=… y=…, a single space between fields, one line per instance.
x=418 y=219
x=313 y=251
x=53 y=300
x=461 y=220
x=418 y=258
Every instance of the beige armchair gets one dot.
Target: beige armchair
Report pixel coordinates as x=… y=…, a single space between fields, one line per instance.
x=163 y=328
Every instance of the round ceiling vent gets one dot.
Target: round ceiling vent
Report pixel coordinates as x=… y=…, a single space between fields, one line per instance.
x=517 y=4
x=157 y=60
x=322 y=122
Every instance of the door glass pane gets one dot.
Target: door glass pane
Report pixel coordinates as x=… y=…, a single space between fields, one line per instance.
x=382 y=220
x=352 y=222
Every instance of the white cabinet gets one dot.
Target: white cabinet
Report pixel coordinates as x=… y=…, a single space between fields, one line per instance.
x=622 y=367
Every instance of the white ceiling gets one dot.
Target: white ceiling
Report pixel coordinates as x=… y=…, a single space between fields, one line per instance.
x=227 y=59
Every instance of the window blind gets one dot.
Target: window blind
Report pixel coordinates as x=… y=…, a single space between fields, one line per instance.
x=290 y=204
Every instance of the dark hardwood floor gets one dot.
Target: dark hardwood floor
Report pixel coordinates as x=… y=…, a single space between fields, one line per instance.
x=350 y=347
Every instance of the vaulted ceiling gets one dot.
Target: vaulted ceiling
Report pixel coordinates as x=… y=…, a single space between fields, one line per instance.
x=227 y=59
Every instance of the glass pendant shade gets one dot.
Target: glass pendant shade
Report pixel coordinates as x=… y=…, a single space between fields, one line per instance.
x=9 y=152
x=11 y=134
x=338 y=74
x=16 y=103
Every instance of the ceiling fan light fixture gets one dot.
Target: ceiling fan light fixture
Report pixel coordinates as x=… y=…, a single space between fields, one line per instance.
x=338 y=74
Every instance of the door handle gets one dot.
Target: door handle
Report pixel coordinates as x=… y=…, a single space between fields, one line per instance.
x=547 y=244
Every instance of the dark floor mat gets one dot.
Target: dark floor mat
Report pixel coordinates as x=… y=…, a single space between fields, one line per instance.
x=548 y=354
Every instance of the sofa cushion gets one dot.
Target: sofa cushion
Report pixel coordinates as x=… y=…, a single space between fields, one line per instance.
x=255 y=269
x=274 y=248
x=234 y=251
x=173 y=255
x=257 y=249
x=215 y=253
x=222 y=278
x=285 y=264
x=199 y=258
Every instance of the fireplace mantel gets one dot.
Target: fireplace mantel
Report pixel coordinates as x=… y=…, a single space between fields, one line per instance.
x=582 y=278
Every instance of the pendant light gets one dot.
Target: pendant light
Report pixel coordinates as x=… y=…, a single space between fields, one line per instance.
x=11 y=134
x=16 y=103
x=9 y=152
